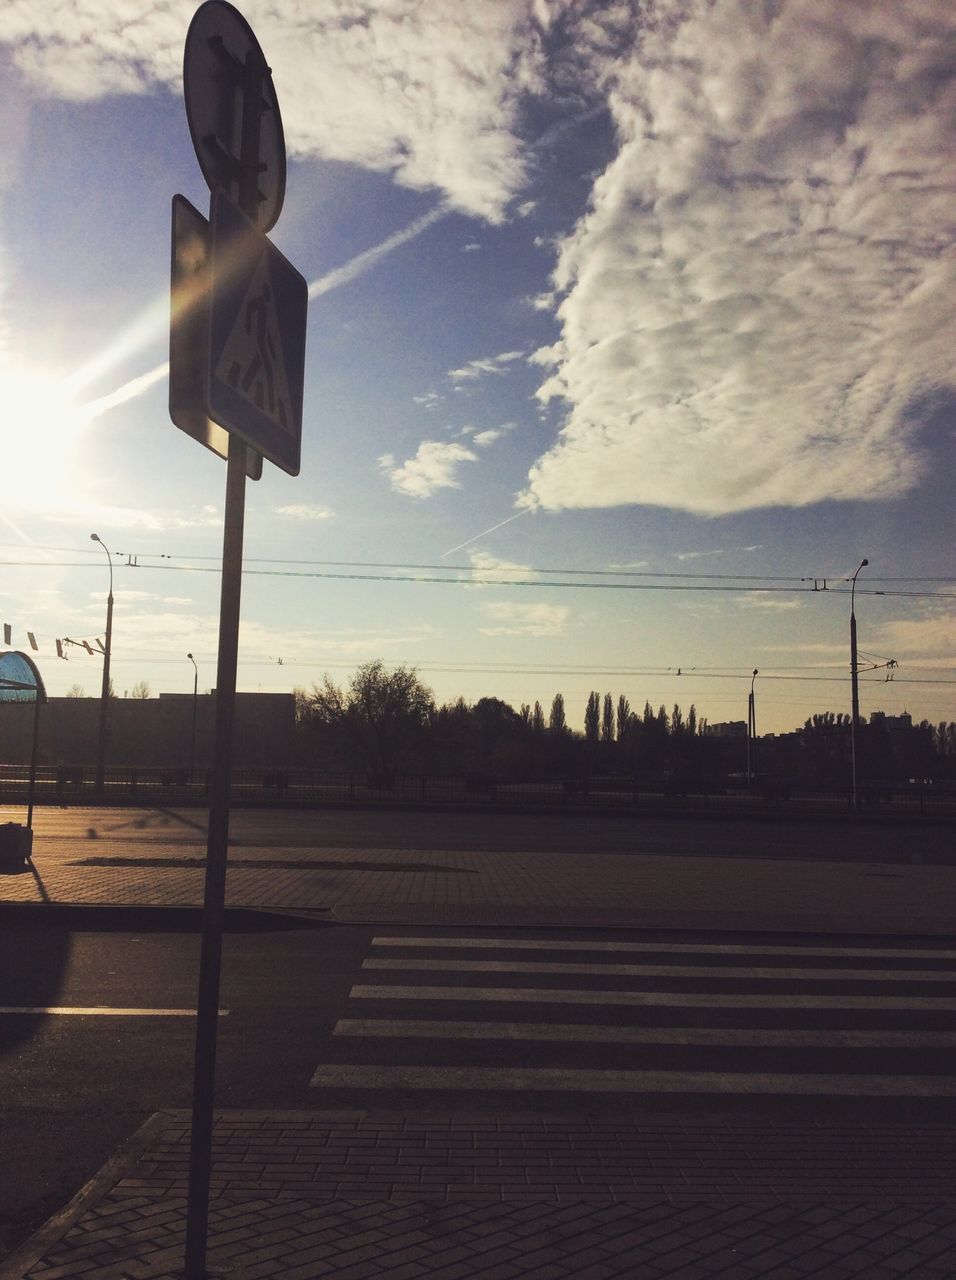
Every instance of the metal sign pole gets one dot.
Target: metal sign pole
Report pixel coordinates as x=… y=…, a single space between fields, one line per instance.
x=214 y=901
x=237 y=134
x=207 y=1013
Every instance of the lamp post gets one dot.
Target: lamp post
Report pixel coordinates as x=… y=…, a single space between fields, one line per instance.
x=751 y=726
x=854 y=684
x=192 y=749
x=105 y=696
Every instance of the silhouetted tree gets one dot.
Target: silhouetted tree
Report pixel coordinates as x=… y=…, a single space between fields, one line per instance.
x=557 y=720
x=537 y=719
x=607 y=719
x=623 y=717
x=379 y=720
x=592 y=717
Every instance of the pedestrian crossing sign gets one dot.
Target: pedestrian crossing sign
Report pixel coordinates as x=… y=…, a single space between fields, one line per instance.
x=256 y=338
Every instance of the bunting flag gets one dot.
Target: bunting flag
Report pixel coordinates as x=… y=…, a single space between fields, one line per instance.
x=59 y=651
x=33 y=641
x=7 y=633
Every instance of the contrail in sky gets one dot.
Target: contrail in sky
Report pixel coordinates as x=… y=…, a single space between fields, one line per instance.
x=334 y=279
x=362 y=261
x=468 y=541
x=128 y=391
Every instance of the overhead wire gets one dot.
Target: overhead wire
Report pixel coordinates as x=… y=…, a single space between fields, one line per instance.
x=489 y=581
x=488 y=570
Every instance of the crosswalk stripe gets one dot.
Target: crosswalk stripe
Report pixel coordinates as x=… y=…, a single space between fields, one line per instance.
x=500 y=1079
x=739 y=971
x=582 y=1033
x=689 y=948
x=554 y=995
x=664 y=970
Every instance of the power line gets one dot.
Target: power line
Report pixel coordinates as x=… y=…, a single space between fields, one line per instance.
x=558 y=672
x=486 y=569
x=524 y=582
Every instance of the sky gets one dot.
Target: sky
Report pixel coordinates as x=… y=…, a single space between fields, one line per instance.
x=630 y=336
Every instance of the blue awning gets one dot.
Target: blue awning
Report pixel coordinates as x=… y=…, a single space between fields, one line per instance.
x=20 y=681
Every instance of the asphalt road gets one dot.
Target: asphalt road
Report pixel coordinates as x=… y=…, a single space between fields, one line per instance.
x=865 y=840
x=454 y=1019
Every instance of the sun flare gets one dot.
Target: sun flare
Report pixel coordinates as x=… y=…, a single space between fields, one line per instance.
x=42 y=429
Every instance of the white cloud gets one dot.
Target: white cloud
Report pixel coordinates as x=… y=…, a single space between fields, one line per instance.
x=490 y=569
x=771 y=603
x=427 y=92
x=430 y=399
x=475 y=369
x=933 y=635
x=760 y=296
x=484 y=438
x=305 y=511
x=132 y=518
x=434 y=466
x=525 y=619
x=699 y=555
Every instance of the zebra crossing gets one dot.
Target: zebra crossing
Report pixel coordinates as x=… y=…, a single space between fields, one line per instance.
x=647 y=1017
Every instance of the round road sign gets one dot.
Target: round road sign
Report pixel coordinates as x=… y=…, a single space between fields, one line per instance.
x=233 y=112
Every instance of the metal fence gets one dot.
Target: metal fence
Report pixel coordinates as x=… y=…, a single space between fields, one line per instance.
x=75 y=785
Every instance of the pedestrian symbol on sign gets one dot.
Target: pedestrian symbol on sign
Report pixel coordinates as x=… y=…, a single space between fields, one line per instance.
x=257 y=319
x=251 y=361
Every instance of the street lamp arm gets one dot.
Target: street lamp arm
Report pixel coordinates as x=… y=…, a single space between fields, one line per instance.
x=95 y=537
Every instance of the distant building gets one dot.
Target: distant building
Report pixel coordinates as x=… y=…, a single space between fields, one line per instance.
x=151 y=731
x=728 y=729
x=900 y=722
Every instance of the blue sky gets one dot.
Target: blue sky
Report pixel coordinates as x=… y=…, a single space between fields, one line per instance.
x=664 y=292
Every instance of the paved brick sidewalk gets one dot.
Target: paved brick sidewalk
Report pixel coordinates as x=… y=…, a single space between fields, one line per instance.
x=110 y=859
x=302 y=1195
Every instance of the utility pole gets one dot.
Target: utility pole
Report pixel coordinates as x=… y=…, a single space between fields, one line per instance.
x=854 y=685
x=192 y=748
x=105 y=695
x=751 y=728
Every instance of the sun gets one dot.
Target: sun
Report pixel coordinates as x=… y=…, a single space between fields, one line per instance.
x=42 y=428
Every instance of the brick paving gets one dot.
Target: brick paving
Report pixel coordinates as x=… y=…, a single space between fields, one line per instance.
x=303 y=1195
x=155 y=858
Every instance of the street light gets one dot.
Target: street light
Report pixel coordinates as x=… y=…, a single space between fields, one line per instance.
x=192 y=750
x=105 y=696
x=854 y=684
x=751 y=724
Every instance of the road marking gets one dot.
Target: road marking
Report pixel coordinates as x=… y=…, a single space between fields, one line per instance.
x=346 y=1076
x=665 y=970
x=554 y=995
x=701 y=948
x=100 y=1011
x=581 y=1033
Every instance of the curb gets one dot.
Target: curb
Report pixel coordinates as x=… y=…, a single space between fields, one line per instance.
x=189 y=919
x=16 y=1265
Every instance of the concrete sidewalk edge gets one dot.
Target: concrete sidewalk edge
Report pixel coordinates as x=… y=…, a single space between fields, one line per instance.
x=189 y=917
x=18 y=1263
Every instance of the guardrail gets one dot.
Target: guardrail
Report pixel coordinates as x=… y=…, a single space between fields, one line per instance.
x=75 y=785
